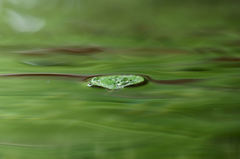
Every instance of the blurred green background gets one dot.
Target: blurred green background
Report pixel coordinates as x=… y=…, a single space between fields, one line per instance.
x=46 y=117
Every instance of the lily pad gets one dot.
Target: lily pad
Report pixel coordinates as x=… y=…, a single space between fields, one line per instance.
x=116 y=81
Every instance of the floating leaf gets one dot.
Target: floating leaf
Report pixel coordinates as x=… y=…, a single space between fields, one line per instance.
x=116 y=81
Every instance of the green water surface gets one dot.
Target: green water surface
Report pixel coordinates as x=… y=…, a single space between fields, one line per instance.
x=63 y=118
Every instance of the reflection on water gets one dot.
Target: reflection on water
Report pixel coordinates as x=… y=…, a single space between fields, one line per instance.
x=189 y=108
x=24 y=23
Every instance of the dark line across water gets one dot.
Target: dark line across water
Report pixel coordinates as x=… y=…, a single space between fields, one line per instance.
x=86 y=77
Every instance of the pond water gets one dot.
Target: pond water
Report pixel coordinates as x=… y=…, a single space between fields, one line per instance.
x=188 y=110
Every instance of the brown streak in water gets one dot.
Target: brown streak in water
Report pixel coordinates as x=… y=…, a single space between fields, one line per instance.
x=88 y=50
x=227 y=59
x=67 y=50
x=234 y=43
x=161 y=50
x=82 y=77
x=178 y=81
x=79 y=50
x=173 y=82
x=209 y=50
x=86 y=77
